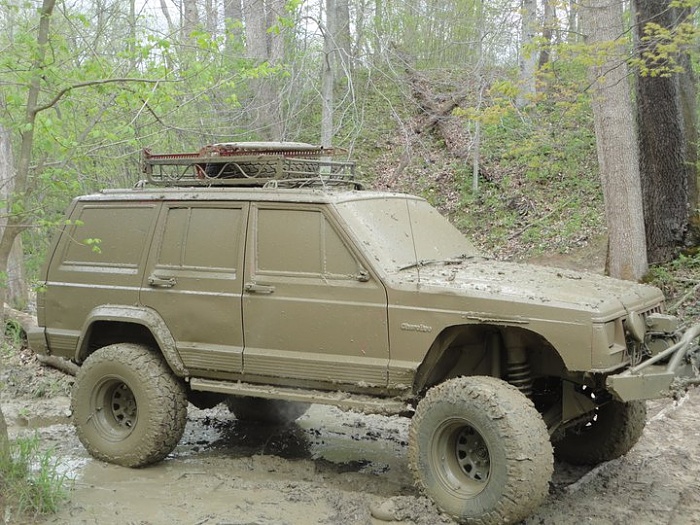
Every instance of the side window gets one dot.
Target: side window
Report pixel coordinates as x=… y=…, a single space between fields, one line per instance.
x=301 y=243
x=109 y=235
x=197 y=237
x=289 y=241
x=337 y=258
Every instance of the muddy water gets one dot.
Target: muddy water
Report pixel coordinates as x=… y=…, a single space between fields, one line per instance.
x=330 y=466
x=225 y=471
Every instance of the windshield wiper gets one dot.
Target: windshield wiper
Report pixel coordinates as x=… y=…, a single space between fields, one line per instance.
x=427 y=262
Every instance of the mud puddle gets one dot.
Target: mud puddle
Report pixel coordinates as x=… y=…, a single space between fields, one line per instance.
x=330 y=466
x=327 y=467
x=322 y=433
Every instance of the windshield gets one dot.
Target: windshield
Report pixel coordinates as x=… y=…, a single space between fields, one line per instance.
x=404 y=232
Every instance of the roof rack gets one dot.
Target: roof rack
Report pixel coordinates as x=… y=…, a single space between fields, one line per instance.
x=276 y=164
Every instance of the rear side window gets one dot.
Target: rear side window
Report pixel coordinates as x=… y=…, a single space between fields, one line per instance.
x=197 y=237
x=109 y=235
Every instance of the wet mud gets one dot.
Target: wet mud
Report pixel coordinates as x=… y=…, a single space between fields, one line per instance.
x=332 y=467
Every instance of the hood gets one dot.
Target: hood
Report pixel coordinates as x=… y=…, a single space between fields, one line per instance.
x=525 y=283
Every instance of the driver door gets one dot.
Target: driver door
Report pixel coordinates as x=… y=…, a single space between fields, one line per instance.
x=311 y=309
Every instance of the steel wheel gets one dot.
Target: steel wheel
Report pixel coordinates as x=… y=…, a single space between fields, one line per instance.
x=114 y=407
x=462 y=457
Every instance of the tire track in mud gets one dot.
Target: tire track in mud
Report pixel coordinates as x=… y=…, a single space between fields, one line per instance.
x=657 y=482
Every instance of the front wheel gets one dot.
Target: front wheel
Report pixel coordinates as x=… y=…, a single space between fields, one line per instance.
x=613 y=429
x=128 y=407
x=480 y=451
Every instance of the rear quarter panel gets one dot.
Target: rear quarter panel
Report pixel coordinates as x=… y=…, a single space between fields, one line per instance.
x=98 y=259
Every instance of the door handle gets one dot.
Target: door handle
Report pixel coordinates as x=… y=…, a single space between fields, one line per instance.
x=161 y=282
x=258 y=288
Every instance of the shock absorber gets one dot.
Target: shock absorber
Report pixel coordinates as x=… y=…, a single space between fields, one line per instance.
x=518 y=370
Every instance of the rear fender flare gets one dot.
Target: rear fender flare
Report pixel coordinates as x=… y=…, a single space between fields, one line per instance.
x=146 y=317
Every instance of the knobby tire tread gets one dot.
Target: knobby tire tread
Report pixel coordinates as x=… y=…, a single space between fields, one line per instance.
x=617 y=430
x=521 y=428
x=164 y=394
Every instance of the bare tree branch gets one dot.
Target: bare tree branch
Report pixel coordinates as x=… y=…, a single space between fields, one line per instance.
x=91 y=83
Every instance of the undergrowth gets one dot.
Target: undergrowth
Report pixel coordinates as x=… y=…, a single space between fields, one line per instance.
x=32 y=381
x=30 y=479
x=680 y=282
x=539 y=190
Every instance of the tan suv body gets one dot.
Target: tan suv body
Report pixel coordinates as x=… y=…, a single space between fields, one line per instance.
x=271 y=297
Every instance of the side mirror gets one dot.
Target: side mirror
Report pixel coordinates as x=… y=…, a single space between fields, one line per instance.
x=362 y=276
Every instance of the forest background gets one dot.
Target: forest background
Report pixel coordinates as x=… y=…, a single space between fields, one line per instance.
x=537 y=122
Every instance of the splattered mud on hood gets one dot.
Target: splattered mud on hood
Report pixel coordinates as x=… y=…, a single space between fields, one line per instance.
x=524 y=283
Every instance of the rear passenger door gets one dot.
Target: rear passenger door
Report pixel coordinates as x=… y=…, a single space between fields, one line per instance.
x=312 y=310
x=193 y=280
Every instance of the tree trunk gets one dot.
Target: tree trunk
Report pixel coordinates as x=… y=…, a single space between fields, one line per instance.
x=255 y=30
x=190 y=19
x=550 y=21
x=4 y=441
x=572 y=33
x=328 y=74
x=166 y=14
x=131 y=44
x=4 y=452
x=666 y=160
x=233 y=16
x=689 y=107
x=261 y=47
x=379 y=32
x=16 y=290
x=528 y=56
x=436 y=109
x=211 y=17
x=343 y=37
x=616 y=140
x=16 y=223
x=233 y=10
x=276 y=48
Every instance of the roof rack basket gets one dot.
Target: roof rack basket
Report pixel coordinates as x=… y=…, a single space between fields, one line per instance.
x=278 y=164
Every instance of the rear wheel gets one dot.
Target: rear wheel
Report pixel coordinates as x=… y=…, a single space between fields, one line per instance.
x=612 y=431
x=273 y=411
x=128 y=407
x=480 y=451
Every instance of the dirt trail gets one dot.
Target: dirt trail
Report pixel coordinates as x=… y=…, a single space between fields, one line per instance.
x=330 y=467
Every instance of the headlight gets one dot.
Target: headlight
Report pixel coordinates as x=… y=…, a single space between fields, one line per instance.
x=635 y=326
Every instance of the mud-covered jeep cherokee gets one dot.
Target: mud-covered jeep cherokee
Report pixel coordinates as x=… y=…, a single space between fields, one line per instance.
x=263 y=276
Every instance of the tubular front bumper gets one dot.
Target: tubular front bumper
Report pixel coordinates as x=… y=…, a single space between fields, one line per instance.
x=650 y=380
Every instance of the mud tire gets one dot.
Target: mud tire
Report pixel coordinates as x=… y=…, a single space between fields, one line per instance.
x=480 y=450
x=128 y=407
x=615 y=430
x=270 y=411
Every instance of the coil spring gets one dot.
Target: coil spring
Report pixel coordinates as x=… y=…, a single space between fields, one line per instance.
x=520 y=376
